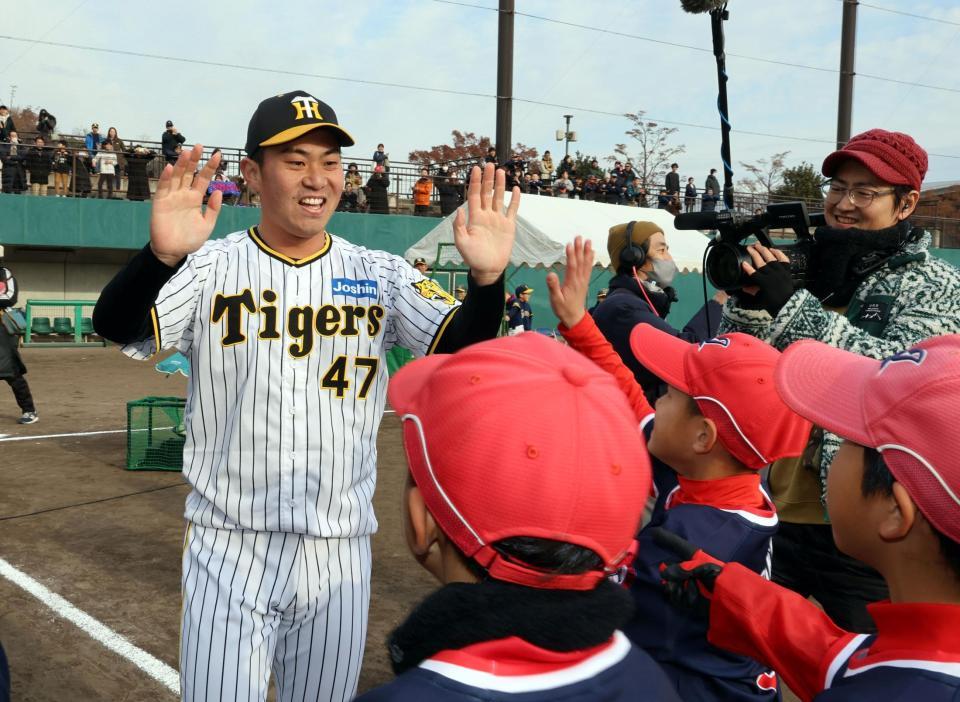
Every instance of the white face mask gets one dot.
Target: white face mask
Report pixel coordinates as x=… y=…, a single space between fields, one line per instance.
x=664 y=272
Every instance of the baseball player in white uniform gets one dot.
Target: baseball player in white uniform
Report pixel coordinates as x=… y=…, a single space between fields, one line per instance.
x=286 y=327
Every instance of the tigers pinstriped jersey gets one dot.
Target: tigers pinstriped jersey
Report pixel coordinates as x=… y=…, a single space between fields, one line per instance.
x=289 y=378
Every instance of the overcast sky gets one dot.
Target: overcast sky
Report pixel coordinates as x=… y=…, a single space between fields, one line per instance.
x=447 y=46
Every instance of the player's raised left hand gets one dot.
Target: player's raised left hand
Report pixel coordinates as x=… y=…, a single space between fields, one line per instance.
x=485 y=237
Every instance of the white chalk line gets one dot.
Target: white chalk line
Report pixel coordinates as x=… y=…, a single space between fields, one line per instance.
x=33 y=437
x=152 y=666
x=36 y=437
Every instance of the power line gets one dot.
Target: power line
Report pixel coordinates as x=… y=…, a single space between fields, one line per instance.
x=691 y=47
x=908 y=14
x=278 y=71
x=243 y=67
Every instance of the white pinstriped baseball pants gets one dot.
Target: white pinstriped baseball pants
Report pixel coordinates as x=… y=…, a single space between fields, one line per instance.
x=260 y=601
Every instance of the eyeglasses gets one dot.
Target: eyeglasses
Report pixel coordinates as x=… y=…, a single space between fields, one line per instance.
x=860 y=197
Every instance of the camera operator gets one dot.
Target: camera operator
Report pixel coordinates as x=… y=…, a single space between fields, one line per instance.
x=46 y=123
x=641 y=292
x=871 y=288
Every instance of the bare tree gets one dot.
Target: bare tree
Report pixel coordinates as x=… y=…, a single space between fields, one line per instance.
x=765 y=176
x=653 y=160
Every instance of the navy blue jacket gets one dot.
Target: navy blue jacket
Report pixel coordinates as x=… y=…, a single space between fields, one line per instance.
x=618 y=673
x=675 y=638
x=520 y=314
x=626 y=307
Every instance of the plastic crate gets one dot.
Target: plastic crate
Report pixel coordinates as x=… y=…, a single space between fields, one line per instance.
x=155 y=433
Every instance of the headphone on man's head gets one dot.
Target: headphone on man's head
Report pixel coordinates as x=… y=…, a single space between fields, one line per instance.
x=633 y=256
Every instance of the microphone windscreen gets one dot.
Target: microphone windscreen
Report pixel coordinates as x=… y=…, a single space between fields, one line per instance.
x=699 y=6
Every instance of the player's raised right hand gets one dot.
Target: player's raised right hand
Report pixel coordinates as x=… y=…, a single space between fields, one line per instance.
x=178 y=223
x=569 y=299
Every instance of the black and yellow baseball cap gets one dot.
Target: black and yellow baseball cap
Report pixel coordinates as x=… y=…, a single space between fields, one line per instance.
x=286 y=117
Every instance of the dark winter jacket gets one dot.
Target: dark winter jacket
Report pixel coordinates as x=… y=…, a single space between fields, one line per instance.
x=376 y=190
x=38 y=163
x=625 y=307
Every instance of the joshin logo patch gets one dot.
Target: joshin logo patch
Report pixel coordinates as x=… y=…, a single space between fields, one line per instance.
x=355 y=288
x=431 y=290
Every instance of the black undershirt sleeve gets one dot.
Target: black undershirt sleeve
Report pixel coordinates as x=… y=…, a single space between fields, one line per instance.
x=122 y=314
x=478 y=318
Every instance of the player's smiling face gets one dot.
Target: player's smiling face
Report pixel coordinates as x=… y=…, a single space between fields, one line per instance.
x=300 y=184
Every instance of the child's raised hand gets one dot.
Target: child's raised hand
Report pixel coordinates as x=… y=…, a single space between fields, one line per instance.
x=569 y=299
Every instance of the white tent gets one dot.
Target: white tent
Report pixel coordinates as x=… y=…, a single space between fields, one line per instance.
x=545 y=225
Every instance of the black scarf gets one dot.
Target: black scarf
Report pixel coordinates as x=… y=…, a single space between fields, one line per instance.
x=842 y=258
x=662 y=298
x=461 y=614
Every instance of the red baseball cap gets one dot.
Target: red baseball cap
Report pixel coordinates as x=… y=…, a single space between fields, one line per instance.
x=522 y=436
x=893 y=157
x=906 y=406
x=731 y=380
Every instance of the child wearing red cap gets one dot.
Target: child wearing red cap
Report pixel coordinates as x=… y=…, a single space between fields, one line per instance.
x=526 y=518
x=894 y=501
x=719 y=422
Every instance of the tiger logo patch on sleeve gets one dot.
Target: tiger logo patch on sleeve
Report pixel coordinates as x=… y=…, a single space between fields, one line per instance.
x=431 y=290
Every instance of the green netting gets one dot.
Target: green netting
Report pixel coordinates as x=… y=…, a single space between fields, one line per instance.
x=397 y=357
x=155 y=433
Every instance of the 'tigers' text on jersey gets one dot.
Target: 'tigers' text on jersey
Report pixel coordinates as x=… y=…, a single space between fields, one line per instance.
x=303 y=323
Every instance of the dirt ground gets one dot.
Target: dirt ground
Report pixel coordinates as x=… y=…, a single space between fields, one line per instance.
x=109 y=540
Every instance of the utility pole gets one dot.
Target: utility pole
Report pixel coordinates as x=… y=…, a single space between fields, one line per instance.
x=848 y=43
x=566 y=137
x=505 y=81
x=13 y=91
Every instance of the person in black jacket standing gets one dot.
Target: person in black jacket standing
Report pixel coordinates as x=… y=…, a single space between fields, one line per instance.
x=641 y=292
x=450 y=190
x=12 y=368
x=39 y=162
x=170 y=139
x=672 y=181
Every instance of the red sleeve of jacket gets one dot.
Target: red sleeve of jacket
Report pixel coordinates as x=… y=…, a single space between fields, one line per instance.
x=587 y=338
x=754 y=617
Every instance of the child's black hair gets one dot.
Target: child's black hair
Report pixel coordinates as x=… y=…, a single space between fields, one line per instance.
x=553 y=557
x=878 y=480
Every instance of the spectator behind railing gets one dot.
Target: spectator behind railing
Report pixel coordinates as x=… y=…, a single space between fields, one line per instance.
x=546 y=167
x=138 y=185
x=119 y=148
x=381 y=158
x=12 y=155
x=80 y=183
x=46 y=123
x=422 y=190
x=377 y=187
x=712 y=183
x=450 y=190
x=62 y=166
x=38 y=162
x=106 y=165
x=690 y=196
x=170 y=140
x=709 y=200
x=6 y=124
x=93 y=140
x=354 y=178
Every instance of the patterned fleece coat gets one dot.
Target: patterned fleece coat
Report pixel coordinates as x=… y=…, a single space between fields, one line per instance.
x=915 y=296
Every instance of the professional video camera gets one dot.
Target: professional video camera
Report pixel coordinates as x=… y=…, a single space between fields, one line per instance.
x=726 y=253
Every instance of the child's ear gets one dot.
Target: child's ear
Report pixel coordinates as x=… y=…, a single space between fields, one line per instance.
x=421 y=529
x=900 y=514
x=706 y=437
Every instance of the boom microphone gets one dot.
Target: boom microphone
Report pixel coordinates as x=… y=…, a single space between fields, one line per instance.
x=697 y=7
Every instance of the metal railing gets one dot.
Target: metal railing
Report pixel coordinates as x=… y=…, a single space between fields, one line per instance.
x=83 y=181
